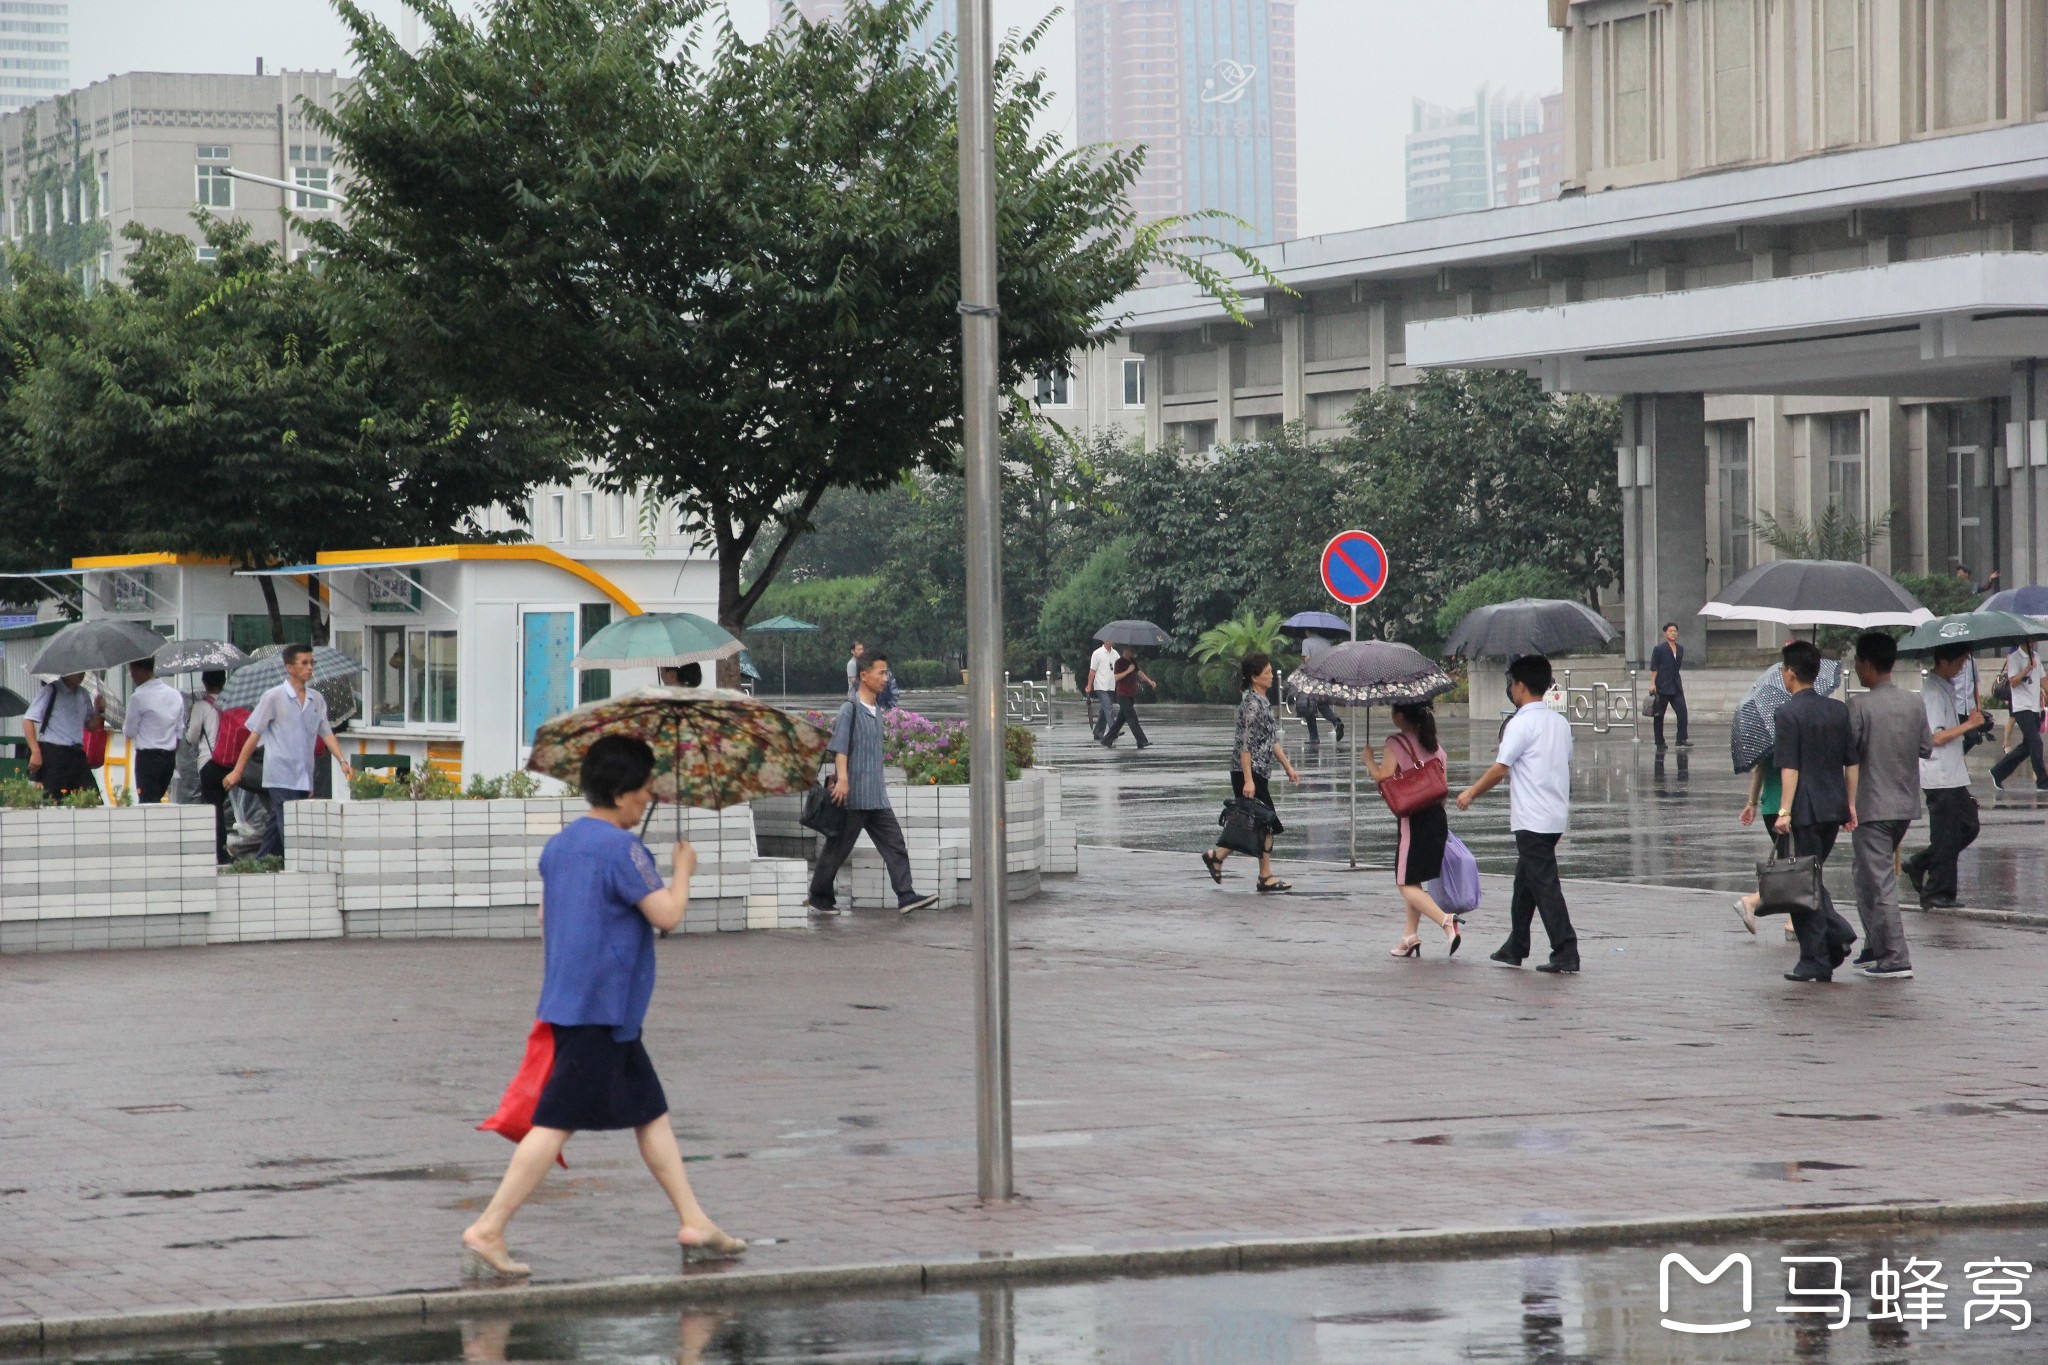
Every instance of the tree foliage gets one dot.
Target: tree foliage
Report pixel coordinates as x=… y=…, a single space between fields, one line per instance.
x=1834 y=534
x=1223 y=647
x=1498 y=585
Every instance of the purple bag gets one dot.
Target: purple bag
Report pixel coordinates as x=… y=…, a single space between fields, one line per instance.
x=1456 y=890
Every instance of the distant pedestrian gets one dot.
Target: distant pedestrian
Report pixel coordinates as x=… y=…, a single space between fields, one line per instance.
x=1254 y=748
x=1424 y=832
x=1536 y=753
x=1102 y=688
x=1128 y=676
x=602 y=898
x=202 y=732
x=1667 y=684
x=290 y=721
x=683 y=675
x=1814 y=748
x=1945 y=781
x=2023 y=671
x=1888 y=736
x=155 y=725
x=858 y=785
x=853 y=665
x=55 y=725
x=1314 y=647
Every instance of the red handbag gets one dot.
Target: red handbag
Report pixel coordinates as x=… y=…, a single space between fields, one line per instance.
x=1410 y=789
x=94 y=743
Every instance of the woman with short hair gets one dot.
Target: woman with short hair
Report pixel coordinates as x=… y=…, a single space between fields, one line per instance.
x=602 y=898
x=1255 y=744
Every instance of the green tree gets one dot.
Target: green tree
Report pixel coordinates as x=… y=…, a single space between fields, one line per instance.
x=1096 y=594
x=1222 y=648
x=732 y=268
x=1834 y=534
x=1494 y=586
x=227 y=408
x=41 y=312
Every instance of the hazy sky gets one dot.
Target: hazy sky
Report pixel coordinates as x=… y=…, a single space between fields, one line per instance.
x=1360 y=62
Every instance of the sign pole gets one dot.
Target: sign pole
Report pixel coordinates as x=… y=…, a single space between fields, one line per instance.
x=1354 y=569
x=1355 y=756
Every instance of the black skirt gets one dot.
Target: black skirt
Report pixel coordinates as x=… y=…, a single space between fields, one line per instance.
x=1423 y=837
x=598 y=1082
x=1260 y=791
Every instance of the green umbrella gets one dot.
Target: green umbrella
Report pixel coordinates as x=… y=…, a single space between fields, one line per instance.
x=1978 y=629
x=784 y=625
x=657 y=639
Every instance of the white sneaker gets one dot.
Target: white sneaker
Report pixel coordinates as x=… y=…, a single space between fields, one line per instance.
x=1745 y=914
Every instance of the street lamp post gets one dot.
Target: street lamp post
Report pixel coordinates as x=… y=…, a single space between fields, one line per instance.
x=980 y=339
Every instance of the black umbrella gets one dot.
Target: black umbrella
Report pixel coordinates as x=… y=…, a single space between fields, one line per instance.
x=12 y=703
x=1528 y=625
x=1375 y=673
x=1133 y=633
x=87 y=646
x=1817 y=592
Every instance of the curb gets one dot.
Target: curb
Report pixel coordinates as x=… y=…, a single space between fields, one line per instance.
x=2023 y=918
x=913 y=1276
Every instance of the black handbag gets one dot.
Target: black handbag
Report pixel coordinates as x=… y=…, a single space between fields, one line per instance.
x=821 y=813
x=1247 y=825
x=1784 y=885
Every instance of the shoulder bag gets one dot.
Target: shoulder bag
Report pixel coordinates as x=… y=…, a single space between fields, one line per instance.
x=821 y=813
x=95 y=743
x=1410 y=789
x=1247 y=825
x=1784 y=885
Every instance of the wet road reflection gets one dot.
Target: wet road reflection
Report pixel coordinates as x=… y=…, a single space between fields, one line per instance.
x=1531 y=1310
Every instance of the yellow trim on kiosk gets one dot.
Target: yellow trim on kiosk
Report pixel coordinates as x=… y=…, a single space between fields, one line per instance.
x=146 y=560
x=532 y=554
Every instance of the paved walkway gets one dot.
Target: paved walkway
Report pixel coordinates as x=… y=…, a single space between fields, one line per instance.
x=1192 y=1063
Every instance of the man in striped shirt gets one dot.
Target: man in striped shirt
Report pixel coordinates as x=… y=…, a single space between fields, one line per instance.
x=856 y=750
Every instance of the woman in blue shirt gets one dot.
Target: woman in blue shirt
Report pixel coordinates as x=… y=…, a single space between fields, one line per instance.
x=601 y=901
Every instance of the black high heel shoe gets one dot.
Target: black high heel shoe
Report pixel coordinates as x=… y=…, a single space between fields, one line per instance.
x=1454 y=930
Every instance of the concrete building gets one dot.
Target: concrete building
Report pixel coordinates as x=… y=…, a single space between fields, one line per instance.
x=1458 y=159
x=35 y=51
x=1207 y=88
x=1814 y=279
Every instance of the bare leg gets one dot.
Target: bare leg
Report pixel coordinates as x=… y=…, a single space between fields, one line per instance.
x=665 y=1160
x=530 y=1161
x=1421 y=904
x=1266 y=860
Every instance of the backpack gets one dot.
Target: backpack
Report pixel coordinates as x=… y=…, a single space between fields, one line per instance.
x=228 y=740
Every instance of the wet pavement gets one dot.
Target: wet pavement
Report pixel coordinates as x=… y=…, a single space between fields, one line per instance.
x=1525 y=1310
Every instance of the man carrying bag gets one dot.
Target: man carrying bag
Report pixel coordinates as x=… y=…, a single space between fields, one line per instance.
x=1813 y=748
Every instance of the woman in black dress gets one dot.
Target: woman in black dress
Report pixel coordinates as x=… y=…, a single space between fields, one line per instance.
x=601 y=901
x=1423 y=833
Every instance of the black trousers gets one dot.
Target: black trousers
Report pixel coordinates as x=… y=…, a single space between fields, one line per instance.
x=64 y=770
x=887 y=836
x=1328 y=713
x=1824 y=936
x=1537 y=891
x=1952 y=827
x=214 y=793
x=1126 y=714
x=154 y=770
x=2029 y=748
x=1676 y=704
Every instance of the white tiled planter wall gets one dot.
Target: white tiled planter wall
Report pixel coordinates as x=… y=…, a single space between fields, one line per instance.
x=111 y=877
x=261 y=907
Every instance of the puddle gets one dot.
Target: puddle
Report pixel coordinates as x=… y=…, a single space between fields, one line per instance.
x=1794 y=1171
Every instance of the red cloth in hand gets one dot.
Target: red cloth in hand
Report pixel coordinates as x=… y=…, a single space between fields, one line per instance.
x=515 y=1111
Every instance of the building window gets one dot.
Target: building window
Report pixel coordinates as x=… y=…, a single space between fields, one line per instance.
x=106 y=194
x=208 y=255
x=216 y=188
x=1732 y=489
x=1965 y=63
x=558 y=511
x=311 y=178
x=1633 y=94
x=1842 y=435
x=1134 y=382
x=412 y=676
x=213 y=152
x=593 y=684
x=1056 y=389
x=618 y=502
x=586 y=516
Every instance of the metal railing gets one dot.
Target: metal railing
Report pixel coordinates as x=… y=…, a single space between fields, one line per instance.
x=1602 y=708
x=1027 y=703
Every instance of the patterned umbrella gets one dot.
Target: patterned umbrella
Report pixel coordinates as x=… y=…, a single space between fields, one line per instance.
x=199 y=656
x=711 y=749
x=247 y=684
x=1756 y=718
x=2022 y=601
x=1371 y=673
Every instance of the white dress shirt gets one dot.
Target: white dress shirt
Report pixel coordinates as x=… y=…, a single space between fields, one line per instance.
x=2024 y=677
x=156 y=716
x=1946 y=769
x=1536 y=749
x=1102 y=669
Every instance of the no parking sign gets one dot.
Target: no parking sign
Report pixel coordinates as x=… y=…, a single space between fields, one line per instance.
x=1354 y=567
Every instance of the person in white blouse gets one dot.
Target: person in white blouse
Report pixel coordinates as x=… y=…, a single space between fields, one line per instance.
x=2023 y=672
x=155 y=724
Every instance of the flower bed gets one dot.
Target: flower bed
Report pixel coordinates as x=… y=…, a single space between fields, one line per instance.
x=933 y=753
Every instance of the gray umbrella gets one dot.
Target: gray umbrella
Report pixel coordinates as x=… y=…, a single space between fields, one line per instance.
x=88 y=646
x=1371 y=673
x=1755 y=732
x=247 y=684
x=1528 y=625
x=12 y=703
x=199 y=656
x=1817 y=592
x=1133 y=633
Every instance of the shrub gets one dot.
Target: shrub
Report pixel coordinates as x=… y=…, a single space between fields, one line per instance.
x=242 y=867
x=934 y=752
x=1098 y=593
x=19 y=793
x=1943 y=594
x=1501 y=585
x=924 y=673
x=427 y=783
x=85 y=798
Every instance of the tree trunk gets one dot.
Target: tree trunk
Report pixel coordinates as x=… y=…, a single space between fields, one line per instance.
x=269 y=586
x=316 y=613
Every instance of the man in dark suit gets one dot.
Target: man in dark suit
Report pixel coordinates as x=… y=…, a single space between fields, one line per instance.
x=1667 y=688
x=1813 y=749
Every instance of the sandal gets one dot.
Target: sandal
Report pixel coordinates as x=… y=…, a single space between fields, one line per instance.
x=1274 y=884
x=1454 y=932
x=1215 y=866
x=1408 y=947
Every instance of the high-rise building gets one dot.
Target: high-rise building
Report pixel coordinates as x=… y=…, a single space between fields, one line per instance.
x=35 y=51
x=1455 y=155
x=1207 y=88
x=938 y=22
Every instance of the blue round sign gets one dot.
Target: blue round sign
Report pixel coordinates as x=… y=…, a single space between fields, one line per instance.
x=1354 y=567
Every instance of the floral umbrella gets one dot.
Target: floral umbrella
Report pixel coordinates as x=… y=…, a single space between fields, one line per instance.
x=712 y=749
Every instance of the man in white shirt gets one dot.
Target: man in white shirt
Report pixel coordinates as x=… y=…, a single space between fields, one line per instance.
x=1536 y=751
x=1102 y=686
x=2023 y=676
x=1945 y=781
x=291 y=722
x=54 y=726
x=155 y=724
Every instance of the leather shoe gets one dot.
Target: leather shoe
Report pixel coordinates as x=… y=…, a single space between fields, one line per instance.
x=1560 y=968
x=1500 y=955
x=1796 y=975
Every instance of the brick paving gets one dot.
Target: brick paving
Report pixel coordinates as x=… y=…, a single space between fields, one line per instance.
x=1193 y=1063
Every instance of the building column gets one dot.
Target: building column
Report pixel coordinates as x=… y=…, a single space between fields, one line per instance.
x=2025 y=515
x=1662 y=469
